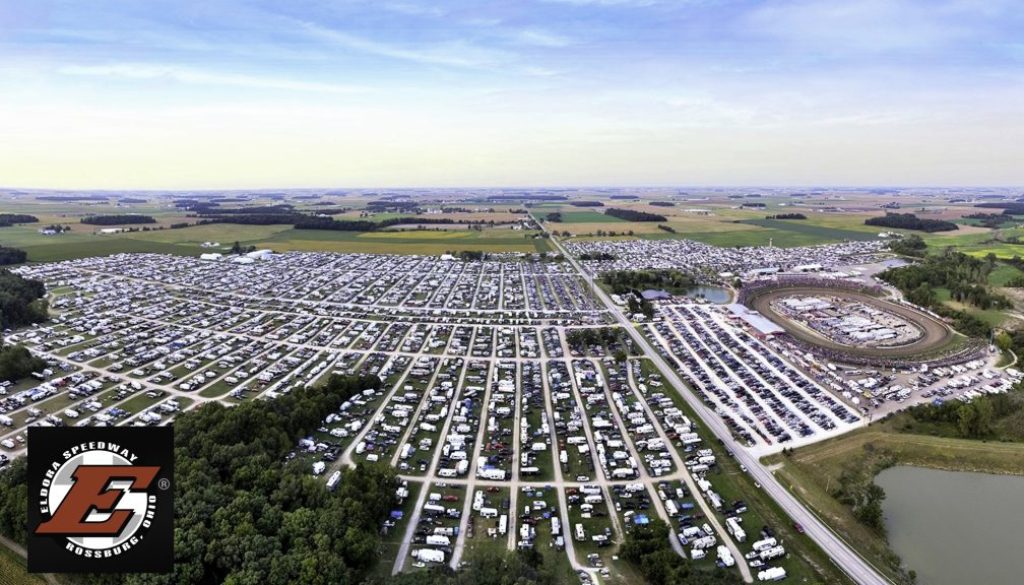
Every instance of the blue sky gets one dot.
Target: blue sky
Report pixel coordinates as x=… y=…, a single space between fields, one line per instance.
x=173 y=94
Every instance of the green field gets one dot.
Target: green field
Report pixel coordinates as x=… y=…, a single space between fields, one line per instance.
x=1003 y=274
x=102 y=246
x=280 y=238
x=826 y=233
x=585 y=217
x=994 y=317
x=980 y=244
x=734 y=239
x=408 y=242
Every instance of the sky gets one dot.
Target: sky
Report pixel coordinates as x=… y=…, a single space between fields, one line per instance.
x=180 y=94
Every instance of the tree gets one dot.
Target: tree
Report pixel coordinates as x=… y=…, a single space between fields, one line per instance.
x=16 y=363
x=974 y=419
x=647 y=548
x=870 y=511
x=21 y=301
x=1003 y=341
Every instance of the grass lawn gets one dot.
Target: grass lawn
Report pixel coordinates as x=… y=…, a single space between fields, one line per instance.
x=993 y=317
x=1003 y=274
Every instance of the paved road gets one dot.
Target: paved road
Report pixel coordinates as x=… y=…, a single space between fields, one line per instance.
x=841 y=553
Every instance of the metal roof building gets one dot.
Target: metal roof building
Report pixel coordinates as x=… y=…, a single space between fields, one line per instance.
x=759 y=322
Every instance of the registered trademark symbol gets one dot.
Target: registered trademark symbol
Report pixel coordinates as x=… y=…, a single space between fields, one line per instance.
x=164 y=483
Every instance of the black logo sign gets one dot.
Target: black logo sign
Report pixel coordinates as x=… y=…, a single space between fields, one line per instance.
x=100 y=500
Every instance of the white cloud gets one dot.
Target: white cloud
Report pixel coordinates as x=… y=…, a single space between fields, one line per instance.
x=188 y=75
x=866 y=26
x=453 y=54
x=541 y=38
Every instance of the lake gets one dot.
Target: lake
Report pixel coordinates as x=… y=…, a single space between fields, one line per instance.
x=956 y=527
x=713 y=294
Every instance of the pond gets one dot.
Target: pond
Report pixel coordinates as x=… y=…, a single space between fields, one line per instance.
x=713 y=294
x=956 y=527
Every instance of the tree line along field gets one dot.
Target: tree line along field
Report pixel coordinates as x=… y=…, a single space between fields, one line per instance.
x=717 y=220
x=282 y=238
x=83 y=240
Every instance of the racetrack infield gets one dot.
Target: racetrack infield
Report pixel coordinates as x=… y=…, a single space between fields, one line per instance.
x=937 y=335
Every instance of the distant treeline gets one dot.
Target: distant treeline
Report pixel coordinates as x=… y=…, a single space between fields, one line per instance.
x=194 y=204
x=666 y=228
x=131 y=200
x=663 y=203
x=72 y=198
x=12 y=256
x=326 y=223
x=990 y=220
x=528 y=197
x=555 y=217
x=378 y=206
x=754 y=205
x=9 y=219
x=128 y=218
x=623 y=197
x=634 y=215
x=786 y=216
x=1008 y=207
x=586 y=204
x=909 y=221
x=333 y=210
x=254 y=210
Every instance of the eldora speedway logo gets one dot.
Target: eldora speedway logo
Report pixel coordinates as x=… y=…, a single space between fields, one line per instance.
x=102 y=497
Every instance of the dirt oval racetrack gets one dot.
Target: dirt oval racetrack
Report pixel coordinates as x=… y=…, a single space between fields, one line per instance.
x=936 y=334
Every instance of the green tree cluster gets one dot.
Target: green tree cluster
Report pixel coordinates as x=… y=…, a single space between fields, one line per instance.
x=123 y=219
x=21 y=301
x=16 y=363
x=242 y=515
x=634 y=215
x=624 y=281
x=647 y=548
x=909 y=221
x=911 y=245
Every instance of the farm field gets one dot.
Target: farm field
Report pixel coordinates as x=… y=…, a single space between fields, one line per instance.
x=811 y=229
x=584 y=217
x=103 y=246
x=408 y=242
x=281 y=238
